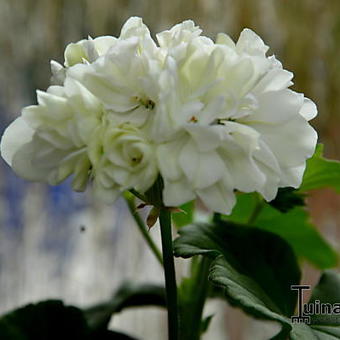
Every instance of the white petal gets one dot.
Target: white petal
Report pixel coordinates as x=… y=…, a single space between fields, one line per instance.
x=212 y=111
x=55 y=67
x=206 y=137
x=147 y=178
x=275 y=80
x=108 y=196
x=56 y=90
x=218 y=198
x=74 y=53
x=113 y=98
x=81 y=172
x=104 y=43
x=292 y=177
x=269 y=166
x=185 y=31
x=244 y=136
x=167 y=156
x=244 y=172
x=53 y=102
x=82 y=97
x=210 y=170
x=241 y=77
x=224 y=39
x=277 y=107
x=177 y=193
x=249 y=42
x=17 y=134
x=308 y=109
x=25 y=166
x=291 y=142
x=202 y=169
x=271 y=184
x=137 y=117
x=119 y=175
x=57 y=175
x=189 y=110
x=134 y=27
x=55 y=139
x=58 y=73
x=189 y=160
x=164 y=125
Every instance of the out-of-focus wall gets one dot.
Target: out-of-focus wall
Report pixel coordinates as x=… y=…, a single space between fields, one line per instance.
x=42 y=251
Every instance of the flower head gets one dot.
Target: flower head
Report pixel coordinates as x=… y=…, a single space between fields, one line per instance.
x=210 y=117
x=123 y=158
x=246 y=130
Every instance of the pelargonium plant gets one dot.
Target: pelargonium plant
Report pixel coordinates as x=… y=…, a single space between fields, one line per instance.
x=185 y=120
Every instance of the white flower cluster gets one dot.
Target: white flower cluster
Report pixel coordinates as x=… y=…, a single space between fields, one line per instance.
x=209 y=117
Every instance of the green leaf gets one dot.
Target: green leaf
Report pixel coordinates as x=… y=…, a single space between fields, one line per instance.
x=295 y=227
x=321 y=172
x=303 y=332
x=184 y=217
x=256 y=268
x=327 y=291
x=323 y=327
x=243 y=209
x=287 y=199
x=52 y=320
x=283 y=334
x=192 y=294
x=205 y=323
x=44 y=320
x=129 y=294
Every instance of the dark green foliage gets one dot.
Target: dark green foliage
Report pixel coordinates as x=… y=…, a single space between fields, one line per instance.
x=287 y=199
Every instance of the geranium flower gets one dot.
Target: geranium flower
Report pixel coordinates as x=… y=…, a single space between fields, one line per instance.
x=245 y=129
x=210 y=117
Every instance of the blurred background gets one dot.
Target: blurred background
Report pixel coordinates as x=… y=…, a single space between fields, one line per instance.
x=58 y=244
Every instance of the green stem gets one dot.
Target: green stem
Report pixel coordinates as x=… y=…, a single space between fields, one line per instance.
x=200 y=292
x=193 y=294
x=258 y=208
x=137 y=194
x=170 y=276
x=142 y=227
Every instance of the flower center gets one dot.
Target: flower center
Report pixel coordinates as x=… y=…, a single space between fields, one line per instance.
x=146 y=102
x=136 y=155
x=136 y=160
x=193 y=119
